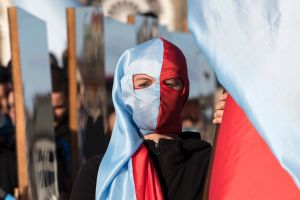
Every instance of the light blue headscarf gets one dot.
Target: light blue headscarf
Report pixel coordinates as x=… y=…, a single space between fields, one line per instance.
x=115 y=178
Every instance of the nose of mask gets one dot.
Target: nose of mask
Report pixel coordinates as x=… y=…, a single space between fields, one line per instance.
x=143 y=104
x=149 y=111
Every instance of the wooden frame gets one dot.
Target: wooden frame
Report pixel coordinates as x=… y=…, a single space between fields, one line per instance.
x=131 y=19
x=22 y=167
x=72 y=86
x=35 y=139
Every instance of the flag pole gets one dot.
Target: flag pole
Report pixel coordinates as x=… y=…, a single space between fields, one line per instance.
x=207 y=180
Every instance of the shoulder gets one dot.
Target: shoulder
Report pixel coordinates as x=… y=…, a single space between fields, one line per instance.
x=92 y=165
x=190 y=135
x=85 y=184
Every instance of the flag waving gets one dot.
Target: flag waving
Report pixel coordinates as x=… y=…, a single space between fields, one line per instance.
x=243 y=165
x=254 y=47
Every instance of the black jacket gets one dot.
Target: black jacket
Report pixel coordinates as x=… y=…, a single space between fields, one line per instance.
x=181 y=165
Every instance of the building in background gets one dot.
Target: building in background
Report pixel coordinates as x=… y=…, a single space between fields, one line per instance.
x=170 y=13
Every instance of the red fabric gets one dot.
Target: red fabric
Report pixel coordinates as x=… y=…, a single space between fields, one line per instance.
x=171 y=100
x=146 y=181
x=244 y=168
x=147 y=186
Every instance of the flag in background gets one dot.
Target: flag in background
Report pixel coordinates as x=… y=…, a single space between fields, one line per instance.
x=254 y=48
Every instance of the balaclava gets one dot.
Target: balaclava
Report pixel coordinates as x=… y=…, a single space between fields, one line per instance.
x=126 y=171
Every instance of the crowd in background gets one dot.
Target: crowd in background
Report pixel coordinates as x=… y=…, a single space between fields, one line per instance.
x=59 y=98
x=194 y=116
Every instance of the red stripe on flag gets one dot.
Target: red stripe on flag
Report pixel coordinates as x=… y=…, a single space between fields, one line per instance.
x=146 y=182
x=244 y=167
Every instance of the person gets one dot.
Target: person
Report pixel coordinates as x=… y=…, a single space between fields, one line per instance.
x=148 y=157
x=4 y=88
x=5 y=122
x=59 y=101
x=62 y=132
x=219 y=109
x=192 y=120
x=8 y=162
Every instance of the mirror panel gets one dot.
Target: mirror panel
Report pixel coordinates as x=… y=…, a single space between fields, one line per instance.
x=36 y=78
x=91 y=82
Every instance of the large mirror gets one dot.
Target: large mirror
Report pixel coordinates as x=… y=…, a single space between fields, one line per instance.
x=34 y=117
x=88 y=36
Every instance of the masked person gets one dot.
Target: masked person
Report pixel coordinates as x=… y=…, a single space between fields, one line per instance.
x=148 y=156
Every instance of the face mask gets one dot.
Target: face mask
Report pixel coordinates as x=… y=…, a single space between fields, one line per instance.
x=157 y=107
x=142 y=103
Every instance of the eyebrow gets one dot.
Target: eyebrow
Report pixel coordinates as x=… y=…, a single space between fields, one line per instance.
x=142 y=74
x=141 y=78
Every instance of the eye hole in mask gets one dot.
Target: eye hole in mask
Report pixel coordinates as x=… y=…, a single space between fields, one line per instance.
x=174 y=83
x=141 y=81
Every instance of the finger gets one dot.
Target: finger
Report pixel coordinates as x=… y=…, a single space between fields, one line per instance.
x=217 y=121
x=218 y=114
x=224 y=97
x=220 y=105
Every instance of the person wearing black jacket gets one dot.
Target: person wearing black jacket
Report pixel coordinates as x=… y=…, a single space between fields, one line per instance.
x=61 y=128
x=148 y=156
x=166 y=155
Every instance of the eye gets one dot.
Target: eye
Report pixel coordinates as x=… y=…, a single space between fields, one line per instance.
x=143 y=85
x=141 y=81
x=174 y=83
x=170 y=85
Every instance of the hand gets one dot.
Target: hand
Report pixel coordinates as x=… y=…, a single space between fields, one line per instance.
x=219 y=109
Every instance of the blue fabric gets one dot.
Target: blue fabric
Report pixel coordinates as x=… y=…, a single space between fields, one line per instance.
x=254 y=48
x=66 y=155
x=6 y=127
x=9 y=197
x=136 y=115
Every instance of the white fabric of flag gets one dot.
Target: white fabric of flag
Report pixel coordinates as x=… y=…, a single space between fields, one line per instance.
x=254 y=48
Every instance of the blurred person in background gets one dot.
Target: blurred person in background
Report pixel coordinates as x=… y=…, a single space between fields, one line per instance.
x=8 y=164
x=4 y=88
x=110 y=114
x=191 y=116
x=5 y=122
x=59 y=99
x=11 y=106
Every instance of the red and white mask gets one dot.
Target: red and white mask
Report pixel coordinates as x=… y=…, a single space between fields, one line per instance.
x=155 y=86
